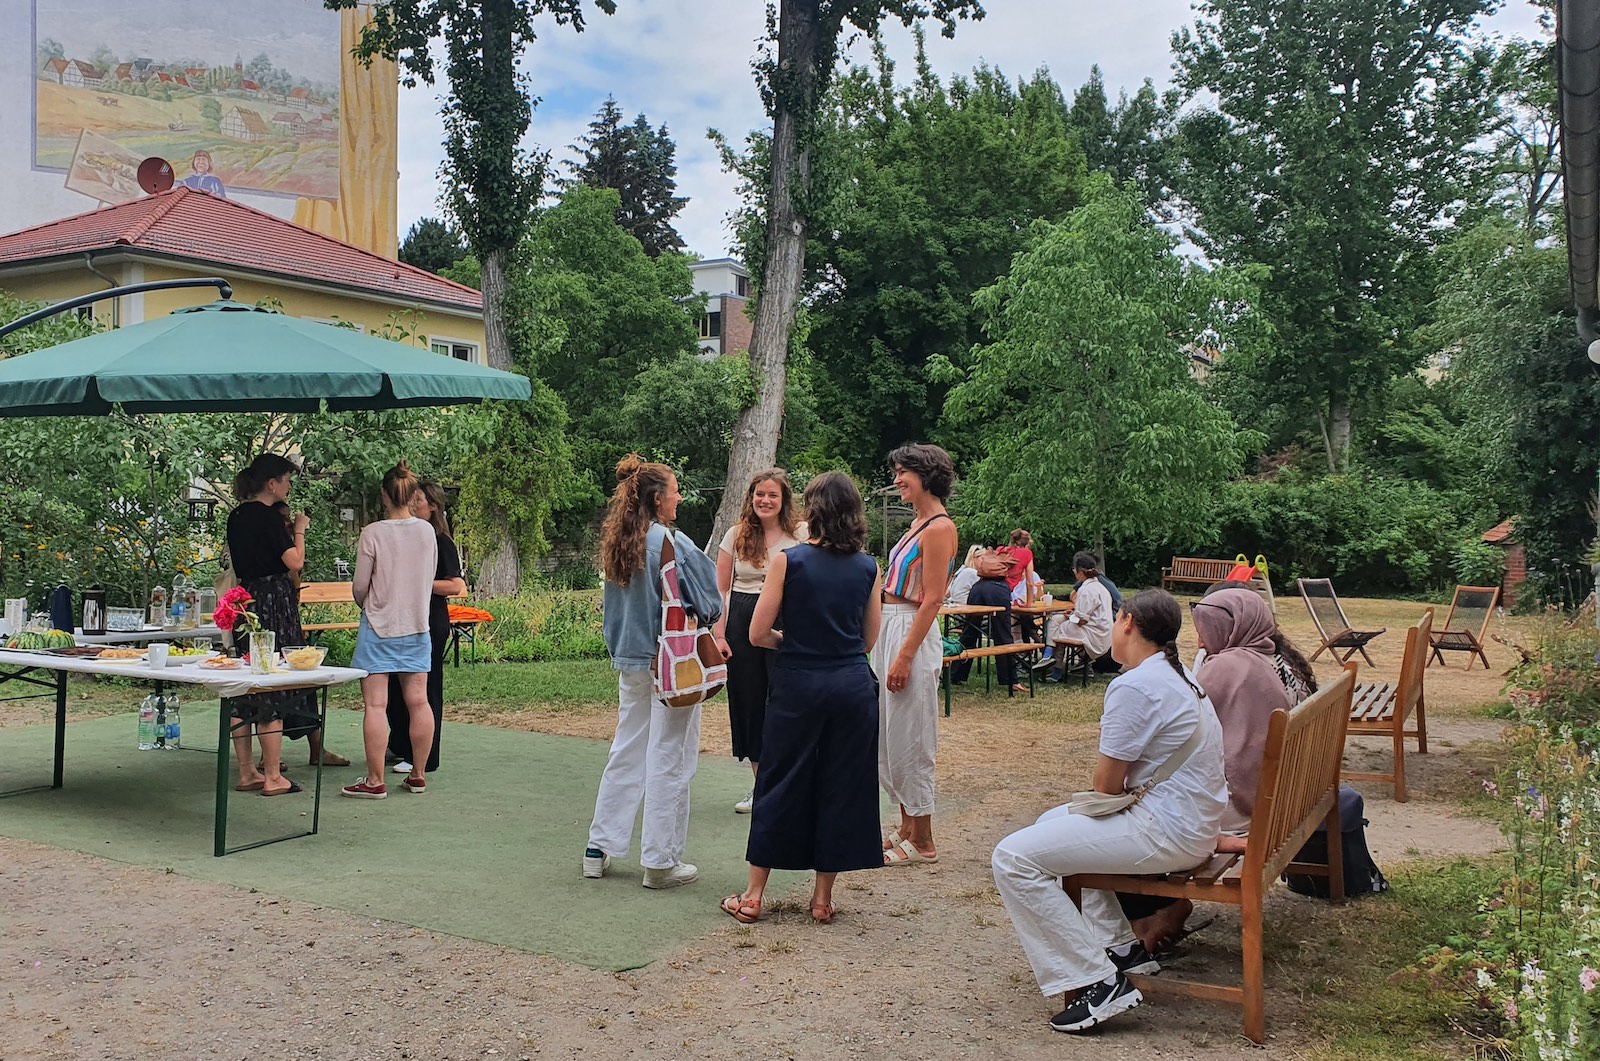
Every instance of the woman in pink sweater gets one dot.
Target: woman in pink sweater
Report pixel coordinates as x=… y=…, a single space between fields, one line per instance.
x=393 y=583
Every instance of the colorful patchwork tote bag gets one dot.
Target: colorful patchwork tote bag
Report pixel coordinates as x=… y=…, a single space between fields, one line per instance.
x=689 y=668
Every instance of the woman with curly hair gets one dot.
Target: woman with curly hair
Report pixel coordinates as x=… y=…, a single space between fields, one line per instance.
x=908 y=654
x=766 y=527
x=656 y=748
x=816 y=805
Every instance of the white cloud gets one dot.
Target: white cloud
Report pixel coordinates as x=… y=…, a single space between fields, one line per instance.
x=693 y=73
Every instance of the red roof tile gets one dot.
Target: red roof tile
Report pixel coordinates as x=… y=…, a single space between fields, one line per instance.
x=192 y=225
x=1500 y=532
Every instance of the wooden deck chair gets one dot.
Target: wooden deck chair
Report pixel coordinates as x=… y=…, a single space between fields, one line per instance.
x=1382 y=709
x=1334 y=629
x=1467 y=624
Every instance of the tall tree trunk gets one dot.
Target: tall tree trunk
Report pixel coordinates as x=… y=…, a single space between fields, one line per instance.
x=497 y=340
x=755 y=434
x=1339 y=432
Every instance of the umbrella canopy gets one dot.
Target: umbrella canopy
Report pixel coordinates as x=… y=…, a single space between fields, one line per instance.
x=228 y=357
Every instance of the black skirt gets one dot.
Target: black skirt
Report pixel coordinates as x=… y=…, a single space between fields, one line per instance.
x=277 y=605
x=749 y=675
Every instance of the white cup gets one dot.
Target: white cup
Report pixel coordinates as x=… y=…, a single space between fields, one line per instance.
x=1049 y=599
x=158 y=653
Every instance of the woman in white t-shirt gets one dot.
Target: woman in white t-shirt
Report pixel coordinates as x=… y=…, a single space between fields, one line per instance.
x=1088 y=625
x=1152 y=711
x=766 y=526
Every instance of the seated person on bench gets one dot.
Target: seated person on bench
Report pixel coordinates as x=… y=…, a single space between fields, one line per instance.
x=1089 y=624
x=990 y=589
x=1240 y=672
x=1155 y=722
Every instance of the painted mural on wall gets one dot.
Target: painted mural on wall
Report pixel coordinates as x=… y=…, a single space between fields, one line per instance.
x=236 y=94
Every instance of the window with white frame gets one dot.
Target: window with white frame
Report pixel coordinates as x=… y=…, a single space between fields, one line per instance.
x=456 y=348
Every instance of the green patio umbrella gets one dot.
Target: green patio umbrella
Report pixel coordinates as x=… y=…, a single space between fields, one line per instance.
x=229 y=357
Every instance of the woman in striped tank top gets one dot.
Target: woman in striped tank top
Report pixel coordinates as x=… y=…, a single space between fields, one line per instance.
x=908 y=654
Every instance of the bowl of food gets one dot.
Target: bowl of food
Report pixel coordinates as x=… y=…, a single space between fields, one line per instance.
x=304 y=657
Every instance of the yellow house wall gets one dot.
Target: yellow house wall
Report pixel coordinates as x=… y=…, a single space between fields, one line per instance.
x=373 y=317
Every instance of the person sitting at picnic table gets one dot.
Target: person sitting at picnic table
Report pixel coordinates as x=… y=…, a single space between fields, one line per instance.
x=961 y=582
x=1156 y=723
x=1021 y=580
x=988 y=589
x=1088 y=625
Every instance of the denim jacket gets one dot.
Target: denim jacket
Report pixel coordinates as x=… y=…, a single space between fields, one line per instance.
x=632 y=620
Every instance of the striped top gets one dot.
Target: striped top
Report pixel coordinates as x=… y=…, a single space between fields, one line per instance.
x=903 y=579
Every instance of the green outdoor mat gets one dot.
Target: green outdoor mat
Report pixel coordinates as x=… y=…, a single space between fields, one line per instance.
x=492 y=852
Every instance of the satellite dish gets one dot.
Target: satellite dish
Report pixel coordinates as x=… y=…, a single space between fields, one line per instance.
x=155 y=175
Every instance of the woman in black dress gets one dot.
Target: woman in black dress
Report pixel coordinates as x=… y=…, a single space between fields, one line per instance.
x=816 y=798
x=266 y=553
x=428 y=503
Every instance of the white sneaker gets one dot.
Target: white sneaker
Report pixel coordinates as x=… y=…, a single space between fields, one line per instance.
x=595 y=863
x=402 y=767
x=682 y=873
x=746 y=805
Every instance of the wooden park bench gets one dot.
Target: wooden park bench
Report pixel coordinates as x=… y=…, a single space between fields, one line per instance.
x=1193 y=570
x=1332 y=627
x=1299 y=791
x=1383 y=708
x=1466 y=624
x=343 y=593
x=986 y=652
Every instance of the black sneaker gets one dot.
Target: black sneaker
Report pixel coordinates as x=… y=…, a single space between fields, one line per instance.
x=1095 y=1003
x=1137 y=962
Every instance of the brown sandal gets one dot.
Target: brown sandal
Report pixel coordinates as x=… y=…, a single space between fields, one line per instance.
x=745 y=911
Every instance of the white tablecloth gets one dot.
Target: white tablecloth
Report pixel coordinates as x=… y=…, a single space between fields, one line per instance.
x=222 y=682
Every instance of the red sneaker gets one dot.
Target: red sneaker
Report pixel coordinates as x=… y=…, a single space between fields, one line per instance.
x=362 y=790
x=415 y=785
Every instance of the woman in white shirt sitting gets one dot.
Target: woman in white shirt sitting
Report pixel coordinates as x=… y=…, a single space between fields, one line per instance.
x=1088 y=626
x=1153 y=712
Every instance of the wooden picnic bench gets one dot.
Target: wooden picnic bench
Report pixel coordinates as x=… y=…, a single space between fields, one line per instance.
x=1194 y=570
x=1299 y=791
x=986 y=652
x=1382 y=708
x=344 y=593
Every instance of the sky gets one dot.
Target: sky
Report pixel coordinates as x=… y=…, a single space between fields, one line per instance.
x=688 y=66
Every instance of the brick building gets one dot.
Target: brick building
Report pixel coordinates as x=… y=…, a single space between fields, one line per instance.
x=725 y=326
x=1503 y=536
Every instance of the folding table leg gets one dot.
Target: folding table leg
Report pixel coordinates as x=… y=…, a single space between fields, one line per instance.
x=61 y=728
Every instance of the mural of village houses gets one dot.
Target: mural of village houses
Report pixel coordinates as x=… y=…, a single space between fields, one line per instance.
x=236 y=117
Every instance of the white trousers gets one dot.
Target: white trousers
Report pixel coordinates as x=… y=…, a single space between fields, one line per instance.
x=908 y=721
x=653 y=759
x=1067 y=946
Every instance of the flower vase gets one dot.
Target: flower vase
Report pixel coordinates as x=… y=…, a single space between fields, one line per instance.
x=263 y=652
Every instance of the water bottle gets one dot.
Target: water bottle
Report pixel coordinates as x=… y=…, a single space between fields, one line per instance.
x=176 y=604
x=147 y=723
x=174 y=731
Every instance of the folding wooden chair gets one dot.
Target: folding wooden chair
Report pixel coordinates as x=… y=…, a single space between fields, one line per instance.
x=1467 y=624
x=1334 y=629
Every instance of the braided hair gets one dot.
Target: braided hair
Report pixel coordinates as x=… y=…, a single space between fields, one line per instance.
x=1158 y=617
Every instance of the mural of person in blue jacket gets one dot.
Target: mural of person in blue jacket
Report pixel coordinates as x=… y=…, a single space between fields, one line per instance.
x=656 y=749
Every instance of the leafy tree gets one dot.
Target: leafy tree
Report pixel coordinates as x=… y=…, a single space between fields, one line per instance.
x=1080 y=418
x=640 y=164
x=433 y=245
x=492 y=183
x=50 y=48
x=794 y=71
x=1529 y=391
x=926 y=192
x=1337 y=142
x=1527 y=132
x=211 y=114
x=1131 y=141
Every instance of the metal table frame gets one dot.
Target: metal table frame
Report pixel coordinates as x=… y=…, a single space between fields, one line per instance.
x=25 y=674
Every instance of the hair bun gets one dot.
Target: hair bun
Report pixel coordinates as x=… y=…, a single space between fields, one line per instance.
x=628 y=467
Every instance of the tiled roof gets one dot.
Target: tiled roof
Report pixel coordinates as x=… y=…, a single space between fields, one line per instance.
x=197 y=227
x=1500 y=532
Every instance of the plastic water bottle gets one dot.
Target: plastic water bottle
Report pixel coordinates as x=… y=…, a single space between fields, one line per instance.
x=147 y=723
x=174 y=731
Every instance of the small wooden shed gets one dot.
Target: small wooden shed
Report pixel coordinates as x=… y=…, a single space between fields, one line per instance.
x=1503 y=536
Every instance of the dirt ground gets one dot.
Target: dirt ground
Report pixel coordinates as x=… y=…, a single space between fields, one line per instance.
x=104 y=960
